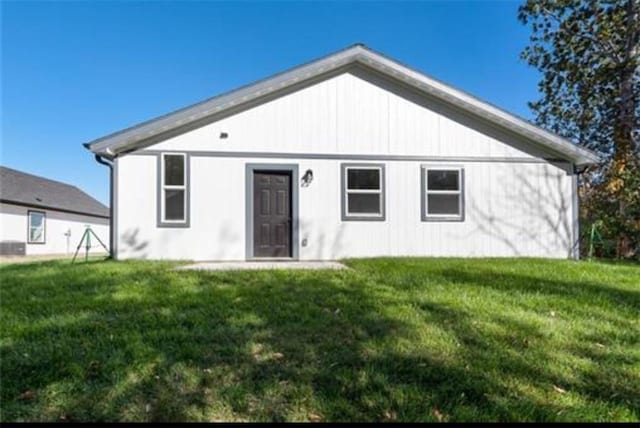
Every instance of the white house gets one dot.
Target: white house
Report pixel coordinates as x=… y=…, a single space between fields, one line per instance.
x=351 y=155
x=39 y=216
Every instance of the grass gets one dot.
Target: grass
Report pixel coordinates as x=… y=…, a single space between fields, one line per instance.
x=390 y=339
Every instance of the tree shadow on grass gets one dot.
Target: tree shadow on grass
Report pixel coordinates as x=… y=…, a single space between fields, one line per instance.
x=586 y=293
x=609 y=376
x=146 y=343
x=270 y=331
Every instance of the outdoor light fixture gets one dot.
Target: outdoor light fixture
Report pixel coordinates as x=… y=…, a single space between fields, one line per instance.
x=307 y=178
x=223 y=135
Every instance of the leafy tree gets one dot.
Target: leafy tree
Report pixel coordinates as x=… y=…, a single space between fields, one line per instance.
x=588 y=52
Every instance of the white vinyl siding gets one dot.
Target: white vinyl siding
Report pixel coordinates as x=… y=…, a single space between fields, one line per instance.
x=346 y=114
x=514 y=203
x=504 y=216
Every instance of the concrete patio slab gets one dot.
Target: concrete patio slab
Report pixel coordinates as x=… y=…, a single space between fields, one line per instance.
x=263 y=265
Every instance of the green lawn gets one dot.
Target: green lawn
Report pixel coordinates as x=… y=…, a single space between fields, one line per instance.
x=390 y=339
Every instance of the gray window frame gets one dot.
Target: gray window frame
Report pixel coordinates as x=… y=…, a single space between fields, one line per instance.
x=423 y=194
x=161 y=222
x=44 y=227
x=344 y=167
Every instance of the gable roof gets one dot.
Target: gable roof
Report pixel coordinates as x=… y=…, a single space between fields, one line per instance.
x=30 y=190
x=136 y=136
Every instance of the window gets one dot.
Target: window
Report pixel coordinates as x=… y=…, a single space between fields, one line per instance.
x=442 y=194
x=363 y=192
x=36 y=227
x=173 y=189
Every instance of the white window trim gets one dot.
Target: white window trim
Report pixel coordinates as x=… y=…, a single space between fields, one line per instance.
x=165 y=187
x=346 y=214
x=424 y=187
x=44 y=227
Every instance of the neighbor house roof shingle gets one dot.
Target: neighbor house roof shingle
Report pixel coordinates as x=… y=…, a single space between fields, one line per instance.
x=26 y=189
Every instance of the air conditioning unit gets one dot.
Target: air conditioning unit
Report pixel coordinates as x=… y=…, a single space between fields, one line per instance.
x=13 y=248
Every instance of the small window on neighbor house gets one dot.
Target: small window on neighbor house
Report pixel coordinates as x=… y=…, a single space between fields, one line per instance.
x=443 y=195
x=36 y=227
x=174 y=188
x=363 y=193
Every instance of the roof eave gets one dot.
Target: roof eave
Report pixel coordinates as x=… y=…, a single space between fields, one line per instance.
x=576 y=154
x=146 y=130
x=110 y=145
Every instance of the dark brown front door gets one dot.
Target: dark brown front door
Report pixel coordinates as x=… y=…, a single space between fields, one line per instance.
x=272 y=214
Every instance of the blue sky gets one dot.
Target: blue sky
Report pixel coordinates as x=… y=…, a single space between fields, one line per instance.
x=75 y=71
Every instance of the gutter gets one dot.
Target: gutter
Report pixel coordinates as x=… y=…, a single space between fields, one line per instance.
x=109 y=164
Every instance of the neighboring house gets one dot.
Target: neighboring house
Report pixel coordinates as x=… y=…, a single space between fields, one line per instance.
x=352 y=155
x=42 y=216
